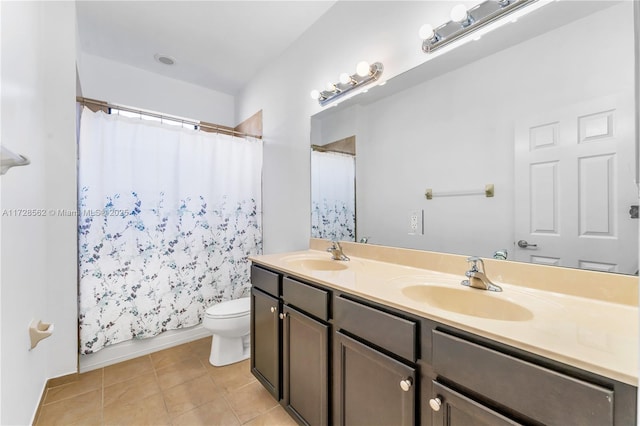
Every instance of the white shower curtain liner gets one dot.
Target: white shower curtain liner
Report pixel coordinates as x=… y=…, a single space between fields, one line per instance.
x=167 y=218
x=333 y=208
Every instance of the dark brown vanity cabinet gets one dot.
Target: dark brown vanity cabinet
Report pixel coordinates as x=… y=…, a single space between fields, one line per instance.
x=305 y=366
x=266 y=329
x=451 y=408
x=290 y=349
x=482 y=382
x=375 y=375
x=334 y=358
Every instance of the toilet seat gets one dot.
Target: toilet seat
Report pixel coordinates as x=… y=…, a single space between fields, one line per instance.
x=230 y=308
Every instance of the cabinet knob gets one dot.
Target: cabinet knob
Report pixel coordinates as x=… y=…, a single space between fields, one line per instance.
x=406 y=384
x=273 y=309
x=435 y=404
x=283 y=315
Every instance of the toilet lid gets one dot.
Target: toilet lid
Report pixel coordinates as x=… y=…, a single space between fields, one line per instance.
x=230 y=308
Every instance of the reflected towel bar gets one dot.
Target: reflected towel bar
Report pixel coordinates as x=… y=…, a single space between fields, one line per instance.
x=488 y=191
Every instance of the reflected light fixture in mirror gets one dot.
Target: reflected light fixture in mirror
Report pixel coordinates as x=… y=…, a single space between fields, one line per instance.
x=465 y=21
x=364 y=75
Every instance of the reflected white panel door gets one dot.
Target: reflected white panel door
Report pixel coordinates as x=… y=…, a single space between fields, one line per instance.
x=574 y=182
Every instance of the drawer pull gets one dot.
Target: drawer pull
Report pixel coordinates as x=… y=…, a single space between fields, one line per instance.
x=273 y=309
x=283 y=315
x=406 y=384
x=435 y=404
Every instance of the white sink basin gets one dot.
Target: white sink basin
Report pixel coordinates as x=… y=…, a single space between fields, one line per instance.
x=468 y=301
x=316 y=264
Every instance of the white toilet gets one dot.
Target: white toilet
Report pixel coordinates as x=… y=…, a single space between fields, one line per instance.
x=229 y=323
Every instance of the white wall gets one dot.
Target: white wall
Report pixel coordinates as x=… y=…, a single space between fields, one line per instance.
x=119 y=83
x=382 y=31
x=0 y=222
x=38 y=260
x=456 y=132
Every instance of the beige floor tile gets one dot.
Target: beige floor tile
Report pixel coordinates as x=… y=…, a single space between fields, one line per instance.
x=176 y=386
x=94 y=419
x=86 y=382
x=275 y=417
x=127 y=370
x=170 y=356
x=201 y=347
x=85 y=408
x=192 y=394
x=232 y=377
x=250 y=401
x=214 y=413
x=146 y=411
x=131 y=390
x=179 y=373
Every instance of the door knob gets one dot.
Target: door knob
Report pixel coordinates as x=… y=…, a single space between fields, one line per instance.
x=406 y=384
x=283 y=315
x=435 y=403
x=273 y=309
x=525 y=244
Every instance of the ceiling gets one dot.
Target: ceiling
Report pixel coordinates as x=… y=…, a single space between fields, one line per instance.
x=220 y=45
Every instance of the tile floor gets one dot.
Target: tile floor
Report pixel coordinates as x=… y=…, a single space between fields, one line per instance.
x=176 y=386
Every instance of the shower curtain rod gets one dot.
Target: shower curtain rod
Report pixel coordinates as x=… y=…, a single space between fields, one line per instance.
x=322 y=148
x=216 y=128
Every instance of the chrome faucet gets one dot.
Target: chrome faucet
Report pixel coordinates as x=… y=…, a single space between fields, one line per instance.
x=478 y=279
x=336 y=251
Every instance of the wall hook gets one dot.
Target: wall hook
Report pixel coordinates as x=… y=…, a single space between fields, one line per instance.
x=39 y=330
x=9 y=159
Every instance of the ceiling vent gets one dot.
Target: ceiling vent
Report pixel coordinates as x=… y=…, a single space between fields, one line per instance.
x=164 y=59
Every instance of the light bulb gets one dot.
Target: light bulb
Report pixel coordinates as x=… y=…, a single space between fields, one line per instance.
x=345 y=78
x=459 y=13
x=426 y=32
x=363 y=69
x=315 y=94
x=330 y=87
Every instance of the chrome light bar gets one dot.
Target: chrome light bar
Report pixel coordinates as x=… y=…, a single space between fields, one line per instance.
x=465 y=21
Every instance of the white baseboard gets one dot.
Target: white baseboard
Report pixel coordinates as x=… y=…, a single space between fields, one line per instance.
x=135 y=348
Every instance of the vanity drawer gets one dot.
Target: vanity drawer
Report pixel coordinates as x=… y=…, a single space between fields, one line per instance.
x=312 y=300
x=266 y=281
x=541 y=394
x=388 y=331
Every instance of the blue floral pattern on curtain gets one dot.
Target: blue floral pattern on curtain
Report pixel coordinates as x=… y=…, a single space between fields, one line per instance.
x=333 y=220
x=151 y=260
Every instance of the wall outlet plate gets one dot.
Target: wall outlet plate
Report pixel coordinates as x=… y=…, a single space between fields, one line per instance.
x=416 y=222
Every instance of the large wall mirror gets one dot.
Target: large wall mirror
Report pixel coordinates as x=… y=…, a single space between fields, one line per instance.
x=542 y=109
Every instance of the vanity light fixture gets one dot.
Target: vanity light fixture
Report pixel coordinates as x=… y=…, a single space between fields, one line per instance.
x=465 y=21
x=364 y=75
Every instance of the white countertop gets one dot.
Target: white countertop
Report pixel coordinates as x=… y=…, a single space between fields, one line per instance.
x=594 y=335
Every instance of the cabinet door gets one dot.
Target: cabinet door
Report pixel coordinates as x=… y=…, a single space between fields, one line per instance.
x=305 y=367
x=371 y=388
x=450 y=408
x=265 y=340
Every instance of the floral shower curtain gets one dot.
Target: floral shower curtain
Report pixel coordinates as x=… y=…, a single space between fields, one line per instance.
x=167 y=218
x=333 y=196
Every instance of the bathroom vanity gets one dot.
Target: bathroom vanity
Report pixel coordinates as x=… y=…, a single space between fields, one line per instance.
x=385 y=342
